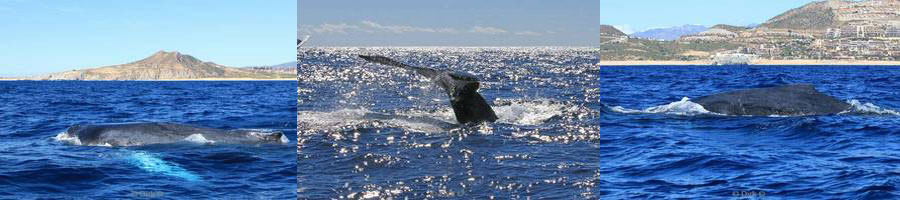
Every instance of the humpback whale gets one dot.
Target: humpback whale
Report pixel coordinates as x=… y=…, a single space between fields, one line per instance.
x=462 y=88
x=136 y=134
x=798 y=99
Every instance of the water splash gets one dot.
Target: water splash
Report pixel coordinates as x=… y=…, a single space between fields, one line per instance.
x=364 y=118
x=518 y=112
x=199 y=139
x=683 y=107
x=857 y=107
x=66 y=138
x=530 y=112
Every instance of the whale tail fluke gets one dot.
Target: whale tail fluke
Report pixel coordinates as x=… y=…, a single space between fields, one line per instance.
x=468 y=105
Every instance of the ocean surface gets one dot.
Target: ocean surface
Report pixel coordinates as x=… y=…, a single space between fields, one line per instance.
x=34 y=165
x=571 y=129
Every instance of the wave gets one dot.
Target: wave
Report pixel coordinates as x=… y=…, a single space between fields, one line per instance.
x=857 y=107
x=688 y=108
x=683 y=107
x=517 y=112
x=520 y=112
x=363 y=117
x=514 y=111
x=66 y=138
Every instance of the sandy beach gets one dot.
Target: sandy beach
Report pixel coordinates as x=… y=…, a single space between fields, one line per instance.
x=755 y=62
x=654 y=62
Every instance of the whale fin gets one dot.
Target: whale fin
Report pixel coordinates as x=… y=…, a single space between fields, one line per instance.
x=301 y=41
x=468 y=105
x=429 y=73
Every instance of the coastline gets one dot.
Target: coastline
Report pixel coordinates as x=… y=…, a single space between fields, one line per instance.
x=654 y=62
x=228 y=79
x=755 y=62
x=201 y=79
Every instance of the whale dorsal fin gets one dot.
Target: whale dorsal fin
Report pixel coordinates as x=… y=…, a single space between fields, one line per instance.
x=468 y=105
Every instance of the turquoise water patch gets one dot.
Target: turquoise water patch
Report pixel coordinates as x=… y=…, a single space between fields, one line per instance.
x=150 y=163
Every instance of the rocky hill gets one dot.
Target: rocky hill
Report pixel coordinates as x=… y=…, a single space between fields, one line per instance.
x=671 y=33
x=164 y=65
x=610 y=31
x=829 y=29
x=813 y=16
x=729 y=27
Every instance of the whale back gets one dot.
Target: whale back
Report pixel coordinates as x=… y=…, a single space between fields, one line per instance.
x=136 y=134
x=799 y=99
x=462 y=88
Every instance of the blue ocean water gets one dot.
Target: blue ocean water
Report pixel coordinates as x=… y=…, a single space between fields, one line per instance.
x=35 y=165
x=571 y=129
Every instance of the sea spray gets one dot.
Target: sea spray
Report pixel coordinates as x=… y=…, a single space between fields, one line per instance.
x=857 y=107
x=683 y=107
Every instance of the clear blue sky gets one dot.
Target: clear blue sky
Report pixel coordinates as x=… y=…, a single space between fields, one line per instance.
x=640 y=15
x=43 y=36
x=449 y=23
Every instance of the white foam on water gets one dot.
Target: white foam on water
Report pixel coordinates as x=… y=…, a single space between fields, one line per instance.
x=351 y=117
x=199 y=139
x=66 y=138
x=149 y=162
x=683 y=107
x=510 y=111
x=445 y=114
x=265 y=133
x=371 y=194
x=531 y=112
x=284 y=139
x=857 y=107
x=415 y=126
x=332 y=119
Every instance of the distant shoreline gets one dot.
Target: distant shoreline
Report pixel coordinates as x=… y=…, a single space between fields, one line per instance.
x=202 y=79
x=756 y=62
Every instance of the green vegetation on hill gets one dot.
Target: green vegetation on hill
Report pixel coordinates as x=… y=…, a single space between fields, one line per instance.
x=730 y=28
x=800 y=33
x=641 y=49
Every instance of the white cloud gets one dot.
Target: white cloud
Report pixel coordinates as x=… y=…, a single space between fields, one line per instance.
x=368 y=26
x=376 y=27
x=305 y=29
x=528 y=33
x=487 y=30
x=334 y=28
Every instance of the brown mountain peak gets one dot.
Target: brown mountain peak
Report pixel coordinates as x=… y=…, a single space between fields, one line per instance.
x=171 y=58
x=163 y=65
